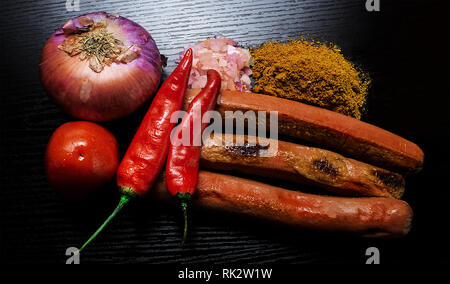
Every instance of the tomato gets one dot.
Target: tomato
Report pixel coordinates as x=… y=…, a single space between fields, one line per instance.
x=80 y=157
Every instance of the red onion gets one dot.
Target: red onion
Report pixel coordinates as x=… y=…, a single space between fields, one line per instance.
x=100 y=66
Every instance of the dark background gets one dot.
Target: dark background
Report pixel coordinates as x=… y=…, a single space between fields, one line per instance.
x=404 y=48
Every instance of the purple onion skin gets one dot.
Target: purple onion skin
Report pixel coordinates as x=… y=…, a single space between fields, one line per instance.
x=116 y=91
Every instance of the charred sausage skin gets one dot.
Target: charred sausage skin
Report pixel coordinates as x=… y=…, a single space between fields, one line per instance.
x=301 y=164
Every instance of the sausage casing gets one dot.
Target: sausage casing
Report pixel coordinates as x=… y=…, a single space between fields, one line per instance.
x=364 y=216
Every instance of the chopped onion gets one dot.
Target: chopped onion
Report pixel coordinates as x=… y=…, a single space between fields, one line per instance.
x=224 y=56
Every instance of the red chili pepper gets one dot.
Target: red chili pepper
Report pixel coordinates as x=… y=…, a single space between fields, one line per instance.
x=183 y=160
x=148 y=150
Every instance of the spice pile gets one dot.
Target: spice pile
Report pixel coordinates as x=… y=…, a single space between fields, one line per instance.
x=310 y=72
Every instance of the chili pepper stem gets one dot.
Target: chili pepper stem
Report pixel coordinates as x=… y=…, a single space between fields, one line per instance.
x=184 y=199
x=184 y=208
x=124 y=199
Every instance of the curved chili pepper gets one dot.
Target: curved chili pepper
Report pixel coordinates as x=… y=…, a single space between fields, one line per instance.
x=147 y=152
x=183 y=160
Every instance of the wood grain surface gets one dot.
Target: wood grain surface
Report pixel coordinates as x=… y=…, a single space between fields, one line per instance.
x=404 y=48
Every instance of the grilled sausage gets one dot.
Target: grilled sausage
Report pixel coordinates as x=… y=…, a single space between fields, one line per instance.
x=365 y=216
x=329 y=129
x=307 y=165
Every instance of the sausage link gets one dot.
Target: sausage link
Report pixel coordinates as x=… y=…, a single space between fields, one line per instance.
x=328 y=129
x=301 y=164
x=366 y=216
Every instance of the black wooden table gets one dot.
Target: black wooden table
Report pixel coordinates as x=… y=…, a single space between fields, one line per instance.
x=404 y=48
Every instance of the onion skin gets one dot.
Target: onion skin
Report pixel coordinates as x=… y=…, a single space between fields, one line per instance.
x=118 y=90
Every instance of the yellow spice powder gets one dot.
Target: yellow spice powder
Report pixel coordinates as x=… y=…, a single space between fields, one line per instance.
x=310 y=72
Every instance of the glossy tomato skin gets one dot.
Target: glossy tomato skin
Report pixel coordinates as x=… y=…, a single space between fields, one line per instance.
x=80 y=157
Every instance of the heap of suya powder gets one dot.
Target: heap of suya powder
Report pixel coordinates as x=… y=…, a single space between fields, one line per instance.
x=310 y=72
